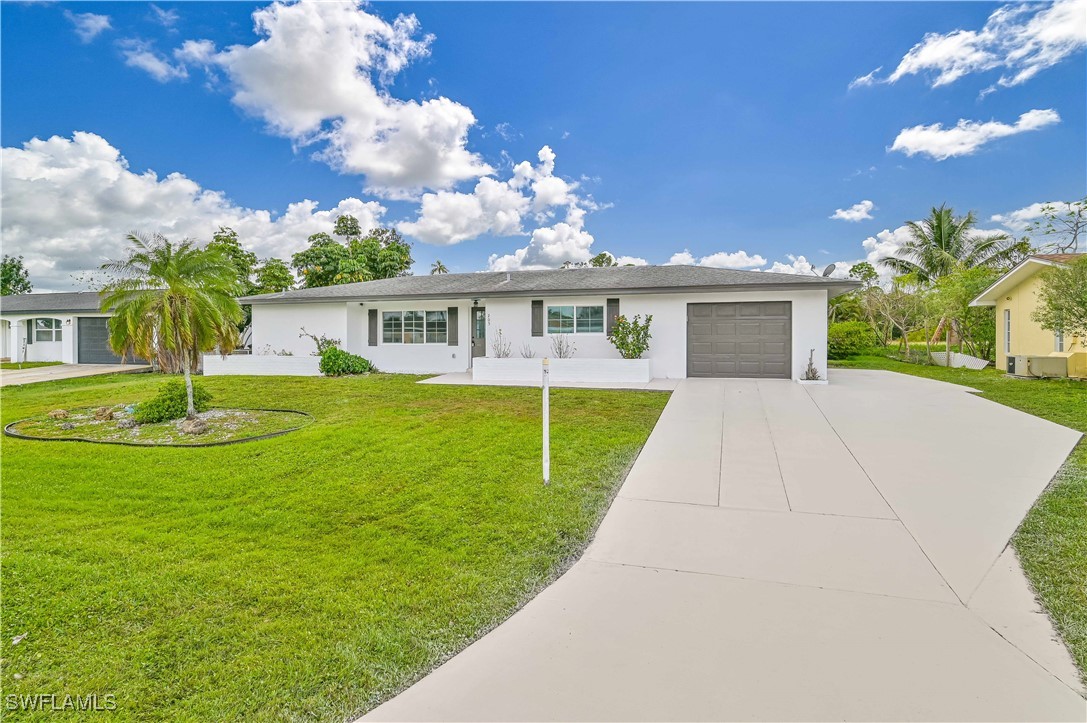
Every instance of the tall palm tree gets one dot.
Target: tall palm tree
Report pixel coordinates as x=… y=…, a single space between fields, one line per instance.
x=943 y=243
x=171 y=302
x=438 y=268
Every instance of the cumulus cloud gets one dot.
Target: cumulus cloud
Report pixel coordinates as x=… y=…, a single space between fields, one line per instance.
x=88 y=26
x=69 y=202
x=857 y=212
x=550 y=246
x=967 y=136
x=1020 y=40
x=631 y=261
x=720 y=260
x=140 y=54
x=319 y=74
x=1020 y=219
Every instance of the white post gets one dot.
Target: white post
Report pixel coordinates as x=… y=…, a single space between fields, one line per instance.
x=546 y=422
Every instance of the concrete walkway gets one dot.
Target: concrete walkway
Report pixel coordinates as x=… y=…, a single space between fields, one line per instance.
x=15 y=377
x=781 y=552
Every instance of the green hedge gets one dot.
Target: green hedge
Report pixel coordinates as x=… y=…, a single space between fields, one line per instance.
x=849 y=338
x=337 y=363
x=171 y=402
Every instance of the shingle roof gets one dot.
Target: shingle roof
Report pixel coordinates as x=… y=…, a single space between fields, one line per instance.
x=628 y=279
x=65 y=302
x=1059 y=258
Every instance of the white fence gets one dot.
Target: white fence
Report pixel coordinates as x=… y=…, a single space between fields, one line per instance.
x=618 y=371
x=939 y=358
x=261 y=365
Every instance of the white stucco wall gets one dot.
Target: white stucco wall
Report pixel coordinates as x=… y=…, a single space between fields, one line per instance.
x=64 y=350
x=278 y=325
x=668 y=346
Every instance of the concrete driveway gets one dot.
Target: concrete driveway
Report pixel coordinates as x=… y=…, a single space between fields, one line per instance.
x=15 y=377
x=793 y=553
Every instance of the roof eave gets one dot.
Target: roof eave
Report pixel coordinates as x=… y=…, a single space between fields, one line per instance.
x=989 y=296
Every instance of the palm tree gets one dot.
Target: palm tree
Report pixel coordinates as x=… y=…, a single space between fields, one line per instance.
x=171 y=302
x=438 y=268
x=943 y=243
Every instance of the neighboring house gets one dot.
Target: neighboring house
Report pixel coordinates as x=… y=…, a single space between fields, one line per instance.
x=55 y=327
x=1015 y=297
x=706 y=322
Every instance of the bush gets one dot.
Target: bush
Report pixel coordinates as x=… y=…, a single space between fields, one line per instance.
x=631 y=336
x=337 y=362
x=171 y=402
x=849 y=338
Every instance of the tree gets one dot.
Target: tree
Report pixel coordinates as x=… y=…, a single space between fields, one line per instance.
x=603 y=259
x=171 y=302
x=273 y=275
x=244 y=262
x=1061 y=225
x=14 y=278
x=381 y=254
x=943 y=243
x=902 y=307
x=949 y=302
x=438 y=267
x=1062 y=299
x=865 y=273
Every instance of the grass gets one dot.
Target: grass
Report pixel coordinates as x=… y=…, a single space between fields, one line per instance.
x=305 y=577
x=28 y=365
x=224 y=425
x=1052 y=540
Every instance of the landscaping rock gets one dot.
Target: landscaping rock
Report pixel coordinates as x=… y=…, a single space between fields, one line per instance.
x=103 y=414
x=58 y=414
x=126 y=424
x=67 y=425
x=194 y=426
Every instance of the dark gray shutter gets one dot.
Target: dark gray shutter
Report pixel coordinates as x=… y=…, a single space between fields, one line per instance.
x=373 y=327
x=29 y=331
x=612 y=314
x=451 y=326
x=537 y=317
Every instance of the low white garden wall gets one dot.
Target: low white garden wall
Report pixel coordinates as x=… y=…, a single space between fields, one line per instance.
x=939 y=358
x=611 y=371
x=261 y=365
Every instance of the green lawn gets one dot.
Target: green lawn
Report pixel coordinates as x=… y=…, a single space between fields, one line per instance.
x=1052 y=541
x=306 y=577
x=28 y=365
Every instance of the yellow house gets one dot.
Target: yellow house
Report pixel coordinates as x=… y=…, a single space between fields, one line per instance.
x=1023 y=347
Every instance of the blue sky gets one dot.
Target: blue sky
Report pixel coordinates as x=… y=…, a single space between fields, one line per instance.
x=716 y=128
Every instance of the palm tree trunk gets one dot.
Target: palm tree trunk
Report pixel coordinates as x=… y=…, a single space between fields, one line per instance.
x=188 y=391
x=947 y=352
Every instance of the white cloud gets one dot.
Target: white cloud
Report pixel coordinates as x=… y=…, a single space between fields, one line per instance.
x=140 y=54
x=857 y=212
x=318 y=76
x=1020 y=219
x=865 y=80
x=103 y=200
x=967 y=136
x=166 y=18
x=720 y=260
x=550 y=246
x=88 y=26
x=631 y=261
x=1019 y=39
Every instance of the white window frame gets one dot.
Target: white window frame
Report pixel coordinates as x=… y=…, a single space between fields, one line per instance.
x=438 y=335
x=576 y=308
x=1007 y=331
x=53 y=331
x=1058 y=341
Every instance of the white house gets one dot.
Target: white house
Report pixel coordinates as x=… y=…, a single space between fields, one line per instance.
x=706 y=322
x=67 y=327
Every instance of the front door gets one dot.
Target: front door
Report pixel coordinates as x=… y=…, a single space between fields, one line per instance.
x=479 y=331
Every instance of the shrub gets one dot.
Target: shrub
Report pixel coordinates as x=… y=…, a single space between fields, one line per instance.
x=849 y=338
x=337 y=362
x=171 y=402
x=631 y=336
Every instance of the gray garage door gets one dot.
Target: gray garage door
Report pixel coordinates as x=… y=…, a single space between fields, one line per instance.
x=93 y=342
x=749 y=339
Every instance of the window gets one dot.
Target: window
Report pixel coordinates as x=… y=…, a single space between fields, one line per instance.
x=1058 y=341
x=1007 y=331
x=47 y=330
x=414 y=327
x=575 y=319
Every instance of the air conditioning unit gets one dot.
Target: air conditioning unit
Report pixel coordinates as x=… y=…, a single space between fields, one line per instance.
x=1039 y=366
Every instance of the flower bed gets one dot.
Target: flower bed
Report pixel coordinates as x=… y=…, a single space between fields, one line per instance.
x=115 y=425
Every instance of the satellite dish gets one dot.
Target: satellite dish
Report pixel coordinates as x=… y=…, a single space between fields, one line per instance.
x=828 y=270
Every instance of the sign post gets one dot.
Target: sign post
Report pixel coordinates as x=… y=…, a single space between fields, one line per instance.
x=546 y=422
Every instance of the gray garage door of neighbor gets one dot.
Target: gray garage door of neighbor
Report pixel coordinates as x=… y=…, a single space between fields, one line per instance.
x=743 y=339
x=93 y=342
